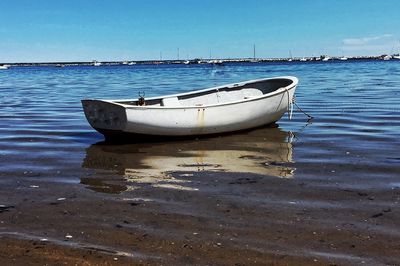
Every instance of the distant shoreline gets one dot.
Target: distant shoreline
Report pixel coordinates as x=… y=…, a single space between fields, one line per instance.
x=203 y=61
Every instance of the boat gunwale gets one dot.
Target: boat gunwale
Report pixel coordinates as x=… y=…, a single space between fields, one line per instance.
x=276 y=92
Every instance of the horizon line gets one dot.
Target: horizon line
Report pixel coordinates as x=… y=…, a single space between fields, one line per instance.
x=193 y=59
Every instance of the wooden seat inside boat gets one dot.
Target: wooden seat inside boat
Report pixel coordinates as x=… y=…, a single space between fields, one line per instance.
x=251 y=93
x=215 y=97
x=170 y=102
x=237 y=95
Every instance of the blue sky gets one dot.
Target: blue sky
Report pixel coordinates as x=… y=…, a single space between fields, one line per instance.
x=85 y=30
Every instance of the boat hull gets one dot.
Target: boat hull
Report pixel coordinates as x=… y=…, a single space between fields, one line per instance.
x=113 y=119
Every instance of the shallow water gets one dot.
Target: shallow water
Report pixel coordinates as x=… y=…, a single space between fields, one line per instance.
x=349 y=148
x=355 y=106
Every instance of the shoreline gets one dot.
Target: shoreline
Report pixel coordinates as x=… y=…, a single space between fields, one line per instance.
x=297 y=222
x=200 y=61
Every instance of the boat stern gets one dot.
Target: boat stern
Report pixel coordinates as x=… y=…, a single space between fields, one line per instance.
x=104 y=115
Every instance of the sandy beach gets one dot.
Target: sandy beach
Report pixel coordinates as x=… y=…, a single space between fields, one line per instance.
x=227 y=219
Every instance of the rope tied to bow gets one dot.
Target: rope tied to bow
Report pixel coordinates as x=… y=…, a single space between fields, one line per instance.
x=290 y=107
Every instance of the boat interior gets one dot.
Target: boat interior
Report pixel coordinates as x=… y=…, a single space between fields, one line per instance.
x=230 y=93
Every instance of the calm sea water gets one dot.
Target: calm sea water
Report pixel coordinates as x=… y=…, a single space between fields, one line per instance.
x=326 y=189
x=353 y=138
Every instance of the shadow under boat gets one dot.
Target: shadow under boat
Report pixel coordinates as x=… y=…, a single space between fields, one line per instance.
x=264 y=151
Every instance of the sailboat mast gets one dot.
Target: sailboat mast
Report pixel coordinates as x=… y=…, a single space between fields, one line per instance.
x=254 y=51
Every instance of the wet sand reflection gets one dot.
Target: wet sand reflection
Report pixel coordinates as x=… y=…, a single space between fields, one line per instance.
x=265 y=151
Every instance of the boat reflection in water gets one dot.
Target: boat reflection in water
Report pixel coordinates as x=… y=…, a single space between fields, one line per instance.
x=264 y=151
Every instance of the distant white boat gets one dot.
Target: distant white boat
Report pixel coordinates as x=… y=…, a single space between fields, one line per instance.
x=290 y=57
x=343 y=58
x=254 y=59
x=387 y=57
x=226 y=108
x=216 y=62
x=131 y=63
x=396 y=56
x=303 y=59
x=4 y=67
x=326 y=58
x=96 y=63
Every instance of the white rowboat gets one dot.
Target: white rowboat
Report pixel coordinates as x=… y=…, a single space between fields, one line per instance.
x=221 y=109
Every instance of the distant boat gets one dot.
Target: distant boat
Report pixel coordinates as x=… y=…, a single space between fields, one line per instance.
x=396 y=56
x=343 y=58
x=131 y=63
x=225 y=108
x=290 y=57
x=96 y=63
x=4 y=67
x=387 y=57
x=186 y=62
x=303 y=59
x=254 y=60
x=326 y=58
x=216 y=62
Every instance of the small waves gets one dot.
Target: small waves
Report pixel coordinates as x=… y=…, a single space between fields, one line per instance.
x=355 y=106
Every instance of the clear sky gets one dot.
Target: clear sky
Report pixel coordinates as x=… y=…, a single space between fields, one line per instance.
x=85 y=30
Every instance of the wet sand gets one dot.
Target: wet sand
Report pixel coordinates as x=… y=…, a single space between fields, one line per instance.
x=232 y=219
x=131 y=207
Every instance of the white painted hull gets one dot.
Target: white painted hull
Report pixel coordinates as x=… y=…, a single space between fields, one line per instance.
x=115 y=116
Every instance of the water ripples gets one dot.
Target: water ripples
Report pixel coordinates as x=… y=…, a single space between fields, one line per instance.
x=355 y=105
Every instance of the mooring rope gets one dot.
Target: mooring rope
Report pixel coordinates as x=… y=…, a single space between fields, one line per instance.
x=290 y=107
x=309 y=116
